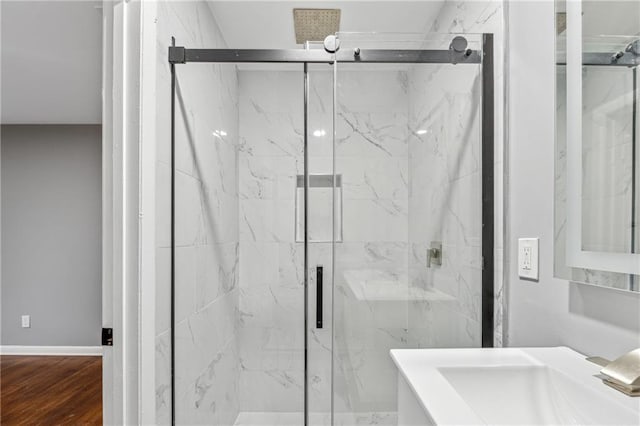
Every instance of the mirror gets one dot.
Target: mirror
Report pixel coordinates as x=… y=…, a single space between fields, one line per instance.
x=597 y=176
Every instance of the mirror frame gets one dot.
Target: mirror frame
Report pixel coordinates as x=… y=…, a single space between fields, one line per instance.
x=575 y=264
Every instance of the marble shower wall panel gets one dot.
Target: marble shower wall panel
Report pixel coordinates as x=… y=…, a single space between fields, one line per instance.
x=271 y=328
x=272 y=262
x=272 y=274
x=372 y=157
x=207 y=238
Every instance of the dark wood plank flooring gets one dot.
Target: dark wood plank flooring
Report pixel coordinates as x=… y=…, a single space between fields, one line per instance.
x=50 y=390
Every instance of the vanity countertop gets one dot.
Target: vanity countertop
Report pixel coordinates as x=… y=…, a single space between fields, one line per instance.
x=512 y=386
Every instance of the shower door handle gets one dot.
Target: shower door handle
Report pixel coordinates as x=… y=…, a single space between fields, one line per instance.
x=319 y=275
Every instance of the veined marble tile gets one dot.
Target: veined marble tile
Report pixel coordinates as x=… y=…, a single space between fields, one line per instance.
x=185 y=278
x=371 y=134
x=272 y=305
x=216 y=389
x=272 y=134
x=163 y=379
x=188 y=217
x=258 y=264
x=373 y=178
x=378 y=254
x=375 y=220
x=278 y=390
x=372 y=91
x=271 y=91
x=267 y=220
x=216 y=271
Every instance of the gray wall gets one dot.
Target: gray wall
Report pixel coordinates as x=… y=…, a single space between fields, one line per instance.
x=594 y=321
x=51 y=233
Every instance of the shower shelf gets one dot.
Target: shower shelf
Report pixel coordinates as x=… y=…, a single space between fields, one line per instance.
x=325 y=192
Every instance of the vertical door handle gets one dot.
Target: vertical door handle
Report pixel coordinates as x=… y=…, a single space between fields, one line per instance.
x=319 y=274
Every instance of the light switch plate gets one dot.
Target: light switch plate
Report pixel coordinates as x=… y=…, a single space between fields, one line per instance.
x=528 y=258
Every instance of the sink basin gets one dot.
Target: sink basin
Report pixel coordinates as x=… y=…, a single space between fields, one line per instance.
x=533 y=395
x=510 y=386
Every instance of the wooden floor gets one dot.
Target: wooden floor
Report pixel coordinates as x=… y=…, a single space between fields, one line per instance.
x=50 y=390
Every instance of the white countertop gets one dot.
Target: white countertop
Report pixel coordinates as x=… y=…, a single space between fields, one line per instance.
x=472 y=386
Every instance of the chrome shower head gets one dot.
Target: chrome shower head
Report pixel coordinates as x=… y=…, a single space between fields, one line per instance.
x=315 y=24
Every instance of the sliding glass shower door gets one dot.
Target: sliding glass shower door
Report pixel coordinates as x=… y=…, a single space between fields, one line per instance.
x=328 y=209
x=408 y=268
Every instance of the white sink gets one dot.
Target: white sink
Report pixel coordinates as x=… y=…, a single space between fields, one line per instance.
x=510 y=386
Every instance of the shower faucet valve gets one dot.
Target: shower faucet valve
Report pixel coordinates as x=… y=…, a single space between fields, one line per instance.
x=434 y=254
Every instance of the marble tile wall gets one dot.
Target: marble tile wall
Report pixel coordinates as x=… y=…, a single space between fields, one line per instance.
x=271 y=328
x=371 y=156
x=207 y=238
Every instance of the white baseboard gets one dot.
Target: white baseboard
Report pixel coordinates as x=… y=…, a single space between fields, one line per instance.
x=52 y=350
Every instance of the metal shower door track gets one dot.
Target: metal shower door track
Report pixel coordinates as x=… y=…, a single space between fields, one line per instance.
x=181 y=55
x=627 y=59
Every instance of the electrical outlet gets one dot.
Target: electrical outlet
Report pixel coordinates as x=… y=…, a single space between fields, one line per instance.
x=26 y=321
x=528 y=258
x=526 y=261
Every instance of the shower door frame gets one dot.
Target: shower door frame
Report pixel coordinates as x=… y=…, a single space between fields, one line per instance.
x=179 y=55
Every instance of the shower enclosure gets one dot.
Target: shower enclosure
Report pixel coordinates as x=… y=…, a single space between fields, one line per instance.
x=333 y=203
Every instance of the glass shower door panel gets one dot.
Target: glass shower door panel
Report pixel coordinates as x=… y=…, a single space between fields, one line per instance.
x=407 y=147
x=207 y=367
x=240 y=336
x=323 y=216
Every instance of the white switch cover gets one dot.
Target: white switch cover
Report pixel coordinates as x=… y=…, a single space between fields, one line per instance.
x=26 y=321
x=528 y=258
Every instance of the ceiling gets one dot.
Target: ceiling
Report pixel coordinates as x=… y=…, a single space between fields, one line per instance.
x=269 y=24
x=51 y=62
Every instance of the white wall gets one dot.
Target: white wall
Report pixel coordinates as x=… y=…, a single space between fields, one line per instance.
x=51 y=233
x=550 y=312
